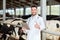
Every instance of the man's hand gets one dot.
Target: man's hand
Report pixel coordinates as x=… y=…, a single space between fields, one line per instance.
x=37 y=26
x=23 y=28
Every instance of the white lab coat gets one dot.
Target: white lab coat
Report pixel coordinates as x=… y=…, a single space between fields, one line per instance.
x=34 y=33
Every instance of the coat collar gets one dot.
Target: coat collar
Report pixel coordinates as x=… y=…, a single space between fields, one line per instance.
x=35 y=16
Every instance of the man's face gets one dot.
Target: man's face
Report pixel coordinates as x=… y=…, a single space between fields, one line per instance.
x=34 y=11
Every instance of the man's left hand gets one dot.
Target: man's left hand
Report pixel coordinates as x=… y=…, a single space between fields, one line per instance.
x=37 y=26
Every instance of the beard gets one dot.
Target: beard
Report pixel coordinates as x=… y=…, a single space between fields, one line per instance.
x=34 y=14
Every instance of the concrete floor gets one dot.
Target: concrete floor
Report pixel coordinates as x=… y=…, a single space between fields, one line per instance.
x=11 y=38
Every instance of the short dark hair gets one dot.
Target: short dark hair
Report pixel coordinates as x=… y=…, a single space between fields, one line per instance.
x=34 y=6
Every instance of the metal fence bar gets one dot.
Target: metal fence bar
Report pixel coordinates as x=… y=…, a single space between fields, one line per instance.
x=49 y=32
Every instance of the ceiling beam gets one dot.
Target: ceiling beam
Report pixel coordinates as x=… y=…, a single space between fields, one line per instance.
x=58 y=1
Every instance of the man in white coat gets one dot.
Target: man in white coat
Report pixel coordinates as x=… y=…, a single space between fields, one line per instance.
x=35 y=24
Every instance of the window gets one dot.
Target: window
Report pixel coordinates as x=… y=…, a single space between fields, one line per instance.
x=48 y=9
x=19 y=11
x=55 y=10
x=28 y=11
x=1 y=11
x=10 y=11
x=39 y=10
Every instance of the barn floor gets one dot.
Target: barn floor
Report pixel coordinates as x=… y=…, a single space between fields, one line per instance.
x=17 y=39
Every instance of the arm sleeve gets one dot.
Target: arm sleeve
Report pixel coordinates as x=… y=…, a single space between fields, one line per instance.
x=26 y=31
x=42 y=24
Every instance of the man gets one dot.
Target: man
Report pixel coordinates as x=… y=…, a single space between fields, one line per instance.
x=35 y=24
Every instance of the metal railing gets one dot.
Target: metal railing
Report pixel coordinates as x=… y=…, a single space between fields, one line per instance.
x=43 y=31
x=49 y=32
